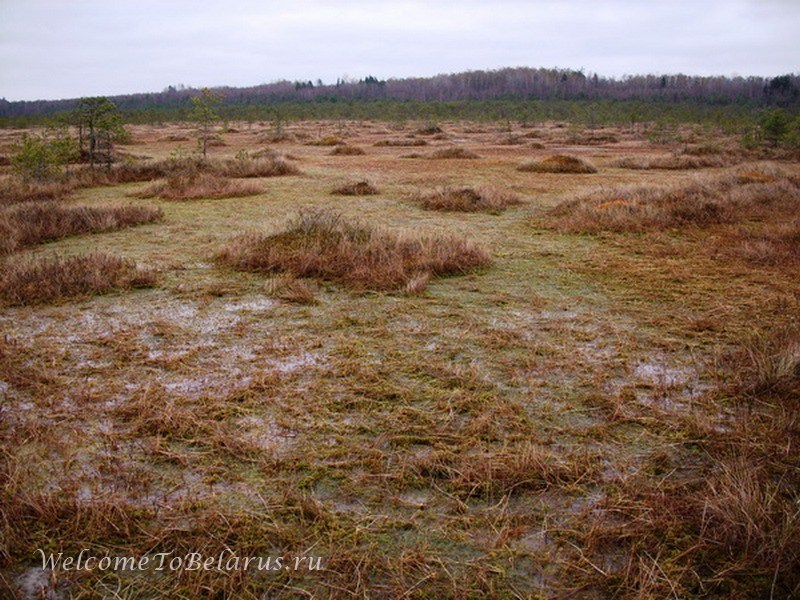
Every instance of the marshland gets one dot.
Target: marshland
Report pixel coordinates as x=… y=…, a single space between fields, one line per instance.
x=498 y=358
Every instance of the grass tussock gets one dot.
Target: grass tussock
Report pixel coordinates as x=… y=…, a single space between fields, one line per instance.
x=466 y=199
x=448 y=153
x=330 y=140
x=323 y=245
x=33 y=223
x=25 y=282
x=288 y=288
x=194 y=185
x=670 y=163
x=359 y=188
x=132 y=171
x=594 y=138
x=268 y=166
x=759 y=192
x=559 y=163
x=409 y=143
x=430 y=129
x=14 y=190
x=347 y=151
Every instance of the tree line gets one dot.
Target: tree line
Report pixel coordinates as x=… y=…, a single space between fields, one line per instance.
x=512 y=84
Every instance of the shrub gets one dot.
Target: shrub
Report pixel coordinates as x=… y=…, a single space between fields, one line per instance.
x=25 y=282
x=324 y=245
x=41 y=157
x=558 y=163
x=33 y=223
x=360 y=188
x=467 y=199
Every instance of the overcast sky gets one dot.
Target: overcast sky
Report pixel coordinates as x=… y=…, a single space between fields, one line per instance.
x=51 y=49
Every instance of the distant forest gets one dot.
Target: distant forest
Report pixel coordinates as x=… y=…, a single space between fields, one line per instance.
x=513 y=93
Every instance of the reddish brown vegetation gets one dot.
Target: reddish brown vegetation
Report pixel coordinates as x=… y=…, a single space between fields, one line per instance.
x=347 y=151
x=322 y=244
x=360 y=188
x=446 y=153
x=193 y=185
x=754 y=193
x=28 y=224
x=558 y=163
x=467 y=199
x=43 y=280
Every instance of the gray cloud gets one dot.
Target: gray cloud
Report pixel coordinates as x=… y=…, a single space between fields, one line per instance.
x=54 y=49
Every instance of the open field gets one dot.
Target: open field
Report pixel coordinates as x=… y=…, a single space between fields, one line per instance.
x=601 y=402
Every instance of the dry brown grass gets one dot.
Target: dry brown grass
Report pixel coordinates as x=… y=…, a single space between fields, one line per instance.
x=430 y=129
x=28 y=224
x=14 y=190
x=448 y=153
x=288 y=288
x=558 y=163
x=673 y=162
x=359 y=188
x=594 y=138
x=129 y=172
x=514 y=469
x=44 y=280
x=330 y=140
x=758 y=192
x=732 y=527
x=408 y=143
x=272 y=166
x=771 y=244
x=193 y=185
x=347 y=151
x=323 y=245
x=466 y=199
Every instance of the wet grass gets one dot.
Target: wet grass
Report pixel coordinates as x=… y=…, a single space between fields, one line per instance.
x=594 y=414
